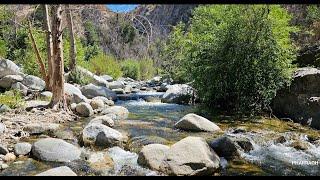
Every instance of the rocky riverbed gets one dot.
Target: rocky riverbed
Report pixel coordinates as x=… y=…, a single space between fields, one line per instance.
x=149 y=128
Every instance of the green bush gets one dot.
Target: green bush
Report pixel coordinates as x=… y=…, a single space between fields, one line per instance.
x=131 y=68
x=13 y=99
x=147 y=69
x=236 y=56
x=104 y=64
x=78 y=77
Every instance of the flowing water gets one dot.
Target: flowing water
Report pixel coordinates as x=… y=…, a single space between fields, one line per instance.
x=152 y=122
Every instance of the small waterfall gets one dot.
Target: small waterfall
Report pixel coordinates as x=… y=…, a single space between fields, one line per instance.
x=281 y=158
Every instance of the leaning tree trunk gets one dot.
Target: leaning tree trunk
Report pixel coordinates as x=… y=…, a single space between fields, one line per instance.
x=47 y=29
x=72 y=49
x=58 y=100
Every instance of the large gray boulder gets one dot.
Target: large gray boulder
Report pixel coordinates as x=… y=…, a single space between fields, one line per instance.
x=191 y=156
x=34 y=82
x=101 y=136
x=179 y=94
x=301 y=100
x=58 y=171
x=55 y=150
x=105 y=100
x=22 y=149
x=152 y=155
x=91 y=91
x=84 y=109
x=8 y=67
x=74 y=95
x=116 y=112
x=7 y=81
x=193 y=122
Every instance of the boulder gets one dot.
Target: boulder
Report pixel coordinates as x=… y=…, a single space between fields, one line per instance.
x=178 y=94
x=100 y=161
x=58 y=171
x=105 y=100
x=55 y=150
x=74 y=95
x=84 y=109
x=101 y=136
x=105 y=120
x=193 y=122
x=116 y=112
x=301 y=100
x=20 y=87
x=152 y=155
x=97 y=104
x=91 y=91
x=230 y=147
x=9 y=157
x=4 y=108
x=3 y=150
x=107 y=78
x=41 y=128
x=116 y=85
x=8 y=67
x=7 y=81
x=191 y=156
x=2 y=128
x=22 y=149
x=34 y=82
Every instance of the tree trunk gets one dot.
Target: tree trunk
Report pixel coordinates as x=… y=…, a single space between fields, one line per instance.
x=58 y=100
x=38 y=57
x=73 y=52
x=47 y=28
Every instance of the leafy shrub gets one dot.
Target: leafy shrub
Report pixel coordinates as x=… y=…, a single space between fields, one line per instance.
x=12 y=98
x=104 y=64
x=147 y=69
x=131 y=68
x=237 y=56
x=78 y=77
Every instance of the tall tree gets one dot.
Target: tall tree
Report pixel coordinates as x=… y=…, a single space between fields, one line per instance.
x=72 y=49
x=47 y=29
x=58 y=100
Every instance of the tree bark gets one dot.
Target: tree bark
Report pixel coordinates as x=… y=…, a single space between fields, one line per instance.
x=58 y=100
x=47 y=28
x=73 y=52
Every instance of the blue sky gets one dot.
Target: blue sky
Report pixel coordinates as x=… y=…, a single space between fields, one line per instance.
x=121 y=7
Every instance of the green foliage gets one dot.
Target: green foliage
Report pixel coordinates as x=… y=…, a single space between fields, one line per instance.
x=237 y=56
x=12 y=98
x=78 y=77
x=127 y=32
x=104 y=64
x=131 y=68
x=147 y=69
x=91 y=41
x=313 y=12
x=81 y=51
